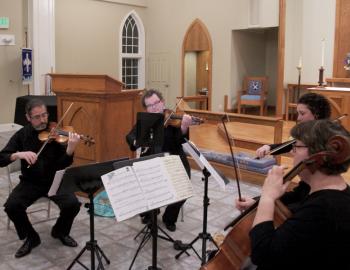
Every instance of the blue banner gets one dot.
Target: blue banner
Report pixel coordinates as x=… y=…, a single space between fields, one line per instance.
x=27 y=66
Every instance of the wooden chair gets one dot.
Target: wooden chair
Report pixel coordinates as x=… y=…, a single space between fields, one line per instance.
x=254 y=93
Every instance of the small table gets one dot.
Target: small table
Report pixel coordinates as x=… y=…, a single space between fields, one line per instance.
x=202 y=101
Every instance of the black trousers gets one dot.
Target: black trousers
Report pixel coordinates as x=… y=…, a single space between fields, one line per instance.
x=171 y=212
x=25 y=194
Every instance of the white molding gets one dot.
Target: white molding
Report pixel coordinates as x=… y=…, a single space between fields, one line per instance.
x=41 y=38
x=136 y=3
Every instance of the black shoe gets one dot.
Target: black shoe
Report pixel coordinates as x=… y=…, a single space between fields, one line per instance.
x=66 y=240
x=28 y=245
x=146 y=217
x=170 y=226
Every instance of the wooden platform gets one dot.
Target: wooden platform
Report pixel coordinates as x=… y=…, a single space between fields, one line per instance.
x=249 y=138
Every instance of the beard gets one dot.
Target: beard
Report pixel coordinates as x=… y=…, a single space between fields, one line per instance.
x=40 y=127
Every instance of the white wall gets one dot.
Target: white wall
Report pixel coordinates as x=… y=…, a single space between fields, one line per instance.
x=190 y=74
x=306 y=26
x=10 y=58
x=87 y=36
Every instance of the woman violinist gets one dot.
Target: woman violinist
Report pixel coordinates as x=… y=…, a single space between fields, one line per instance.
x=311 y=106
x=317 y=235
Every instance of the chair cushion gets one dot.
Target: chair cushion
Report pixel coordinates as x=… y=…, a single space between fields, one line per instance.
x=254 y=87
x=250 y=97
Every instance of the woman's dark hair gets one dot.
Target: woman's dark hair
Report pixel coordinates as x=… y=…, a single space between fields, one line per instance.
x=35 y=102
x=148 y=94
x=317 y=104
x=315 y=135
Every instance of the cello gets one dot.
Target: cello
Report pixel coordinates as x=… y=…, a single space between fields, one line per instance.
x=235 y=249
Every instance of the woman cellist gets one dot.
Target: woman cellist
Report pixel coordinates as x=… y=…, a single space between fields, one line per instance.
x=317 y=235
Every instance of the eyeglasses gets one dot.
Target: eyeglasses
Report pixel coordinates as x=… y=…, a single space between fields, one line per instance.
x=297 y=146
x=39 y=116
x=153 y=105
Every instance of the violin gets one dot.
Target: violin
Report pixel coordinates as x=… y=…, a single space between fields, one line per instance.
x=173 y=119
x=61 y=135
x=290 y=142
x=235 y=248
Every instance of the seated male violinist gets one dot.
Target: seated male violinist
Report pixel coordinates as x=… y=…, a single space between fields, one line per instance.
x=38 y=172
x=153 y=101
x=317 y=234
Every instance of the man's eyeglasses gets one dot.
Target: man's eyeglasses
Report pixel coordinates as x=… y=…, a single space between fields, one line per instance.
x=153 y=105
x=39 y=116
x=297 y=146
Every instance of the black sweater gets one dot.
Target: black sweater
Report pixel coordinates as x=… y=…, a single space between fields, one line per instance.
x=317 y=236
x=51 y=159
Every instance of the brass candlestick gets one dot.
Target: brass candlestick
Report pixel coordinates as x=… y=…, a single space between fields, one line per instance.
x=320 y=76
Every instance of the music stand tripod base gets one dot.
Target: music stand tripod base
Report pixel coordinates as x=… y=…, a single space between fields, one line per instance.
x=204 y=235
x=91 y=245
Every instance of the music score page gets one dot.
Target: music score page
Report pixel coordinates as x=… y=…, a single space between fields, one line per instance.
x=147 y=185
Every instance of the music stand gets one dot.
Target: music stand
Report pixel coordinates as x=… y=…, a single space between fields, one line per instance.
x=150 y=131
x=87 y=178
x=207 y=170
x=151 y=229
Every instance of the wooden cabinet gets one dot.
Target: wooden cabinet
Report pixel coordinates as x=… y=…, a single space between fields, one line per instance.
x=101 y=109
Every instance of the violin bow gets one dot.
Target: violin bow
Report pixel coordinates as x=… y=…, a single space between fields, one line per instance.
x=52 y=131
x=235 y=166
x=172 y=111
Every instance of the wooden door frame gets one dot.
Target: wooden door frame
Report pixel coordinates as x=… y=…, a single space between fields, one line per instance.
x=197 y=43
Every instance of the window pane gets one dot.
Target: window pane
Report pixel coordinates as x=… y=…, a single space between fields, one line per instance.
x=130 y=45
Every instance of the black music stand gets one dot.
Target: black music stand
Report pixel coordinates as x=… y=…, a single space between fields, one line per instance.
x=150 y=131
x=87 y=178
x=151 y=229
x=206 y=169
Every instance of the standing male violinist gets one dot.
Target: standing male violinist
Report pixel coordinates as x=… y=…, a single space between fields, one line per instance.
x=152 y=100
x=38 y=172
x=317 y=235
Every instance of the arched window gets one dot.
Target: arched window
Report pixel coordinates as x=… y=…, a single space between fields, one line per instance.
x=132 y=52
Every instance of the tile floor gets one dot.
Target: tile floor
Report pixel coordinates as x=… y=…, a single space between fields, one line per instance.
x=117 y=239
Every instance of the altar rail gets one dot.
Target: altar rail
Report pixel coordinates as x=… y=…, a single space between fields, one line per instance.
x=207 y=136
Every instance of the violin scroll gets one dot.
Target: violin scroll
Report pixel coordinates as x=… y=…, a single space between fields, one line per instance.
x=338 y=152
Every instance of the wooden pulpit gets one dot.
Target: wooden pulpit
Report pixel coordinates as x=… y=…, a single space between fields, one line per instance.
x=101 y=110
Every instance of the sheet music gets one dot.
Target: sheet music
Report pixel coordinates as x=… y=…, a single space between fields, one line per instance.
x=202 y=162
x=154 y=182
x=183 y=188
x=56 y=182
x=125 y=193
x=146 y=185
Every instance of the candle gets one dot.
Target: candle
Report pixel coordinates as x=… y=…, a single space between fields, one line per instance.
x=300 y=63
x=322 y=53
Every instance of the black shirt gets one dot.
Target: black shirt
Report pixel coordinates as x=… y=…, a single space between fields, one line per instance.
x=172 y=144
x=52 y=158
x=317 y=236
